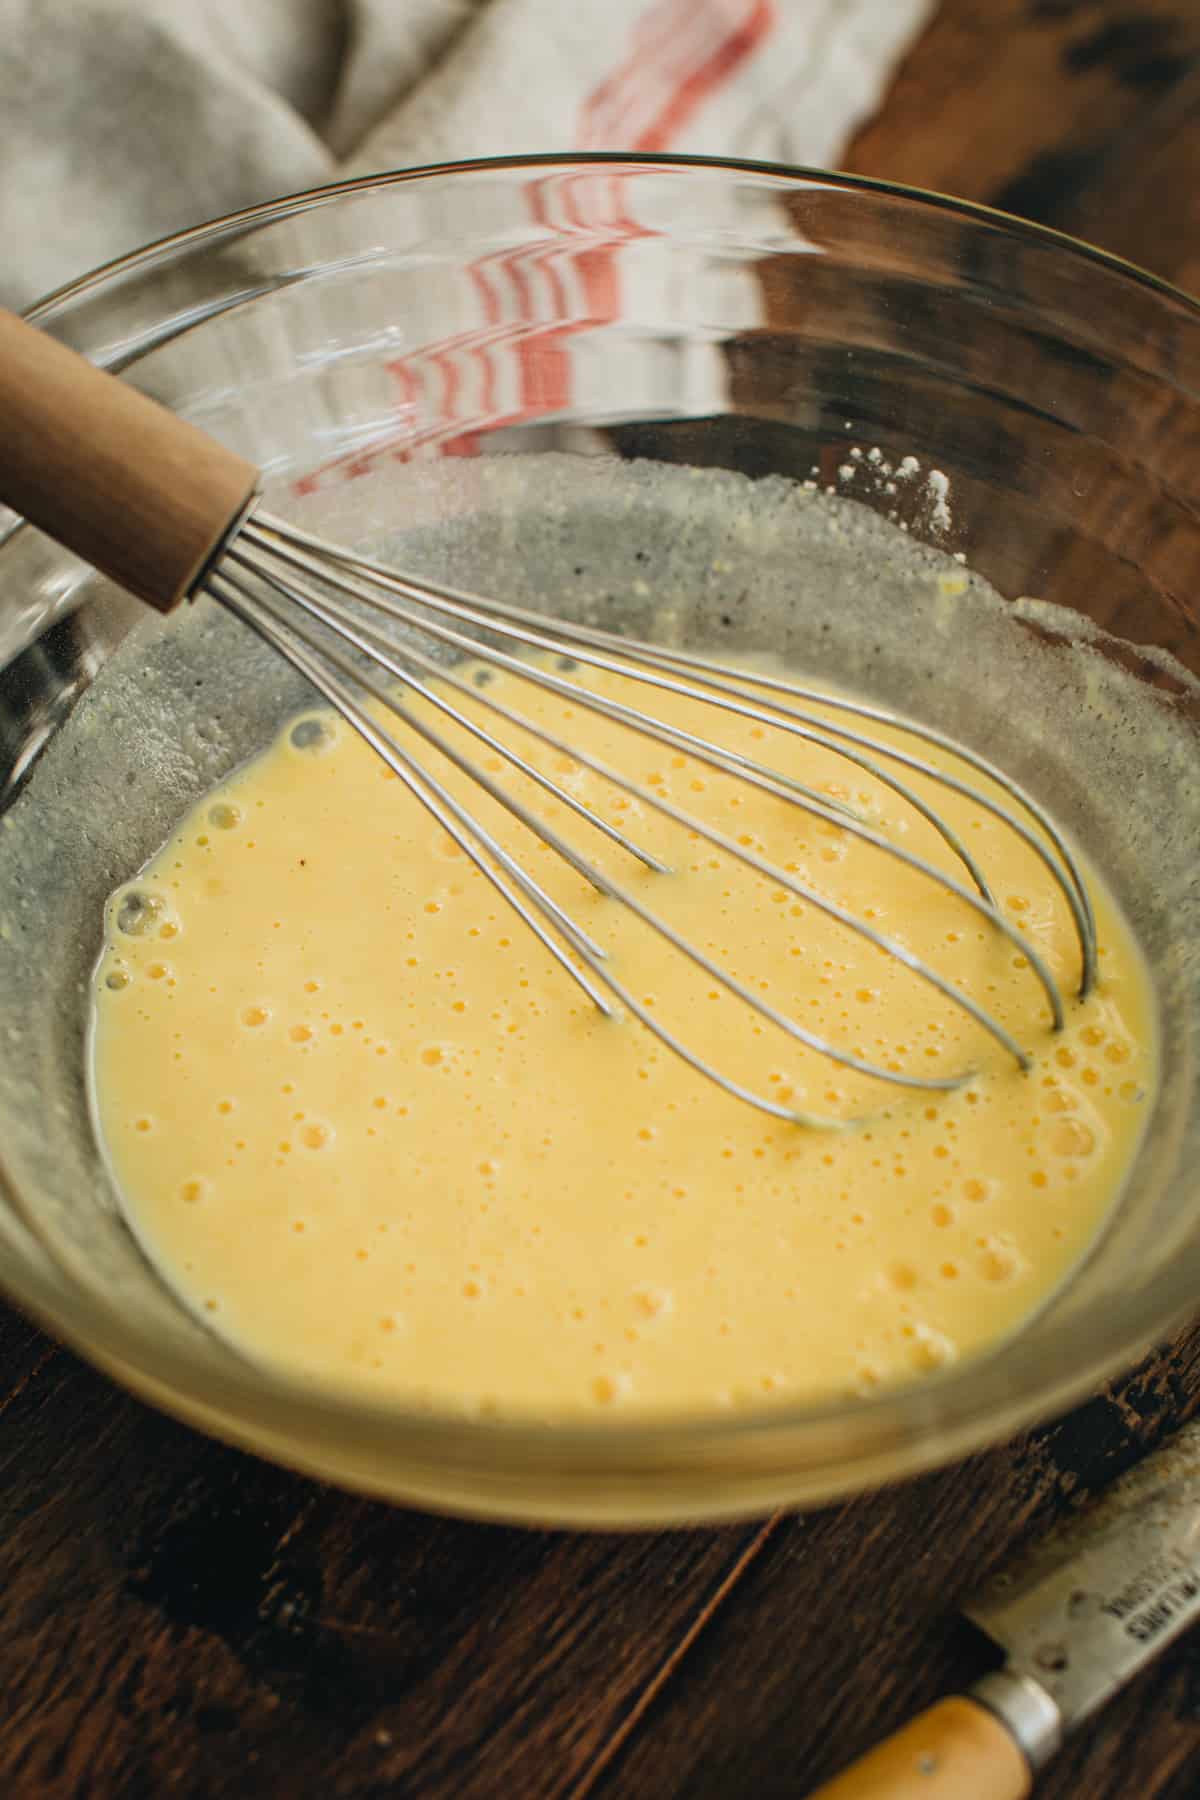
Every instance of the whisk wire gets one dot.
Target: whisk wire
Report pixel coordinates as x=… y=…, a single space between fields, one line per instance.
x=688 y=742
x=397 y=659
x=284 y=584
x=369 y=642
x=495 y=613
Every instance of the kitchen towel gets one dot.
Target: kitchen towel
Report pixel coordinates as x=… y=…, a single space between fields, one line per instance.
x=124 y=120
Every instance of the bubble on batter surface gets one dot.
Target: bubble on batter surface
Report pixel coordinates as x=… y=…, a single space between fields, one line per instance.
x=312 y=733
x=606 y=1390
x=998 y=1261
x=1070 y=1137
x=137 y=911
x=931 y=1349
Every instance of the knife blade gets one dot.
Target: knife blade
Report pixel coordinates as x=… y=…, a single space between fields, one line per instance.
x=1086 y=1608
x=1077 y=1616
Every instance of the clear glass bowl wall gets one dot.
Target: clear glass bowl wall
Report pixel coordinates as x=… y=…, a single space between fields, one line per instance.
x=373 y=347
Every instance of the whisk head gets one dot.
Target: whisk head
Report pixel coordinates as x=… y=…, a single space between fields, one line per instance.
x=369 y=638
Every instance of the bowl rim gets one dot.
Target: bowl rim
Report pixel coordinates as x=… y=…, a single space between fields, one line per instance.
x=895 y=1432
x=793 y=174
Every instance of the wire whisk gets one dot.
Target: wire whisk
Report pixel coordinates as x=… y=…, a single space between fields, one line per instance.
x=162 y=509
x=293 y=589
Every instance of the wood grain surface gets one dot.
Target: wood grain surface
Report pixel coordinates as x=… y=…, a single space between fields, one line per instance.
x=179 y=1619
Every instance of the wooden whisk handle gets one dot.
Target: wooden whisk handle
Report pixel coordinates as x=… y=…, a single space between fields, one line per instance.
x=144 y=496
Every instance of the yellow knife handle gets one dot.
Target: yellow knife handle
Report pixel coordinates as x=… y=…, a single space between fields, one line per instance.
x=958 y=1750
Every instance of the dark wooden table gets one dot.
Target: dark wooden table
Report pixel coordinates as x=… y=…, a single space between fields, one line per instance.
x=176 y=1618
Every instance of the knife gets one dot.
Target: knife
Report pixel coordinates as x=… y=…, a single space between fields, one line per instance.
x=1077 y=1617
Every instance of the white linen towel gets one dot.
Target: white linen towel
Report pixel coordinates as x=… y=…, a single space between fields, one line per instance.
x=124 y=120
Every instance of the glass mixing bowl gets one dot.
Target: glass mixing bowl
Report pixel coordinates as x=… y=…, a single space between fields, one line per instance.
x=419 y=350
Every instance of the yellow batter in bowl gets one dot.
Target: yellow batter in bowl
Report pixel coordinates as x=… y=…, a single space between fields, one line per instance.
x=363 y=1124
